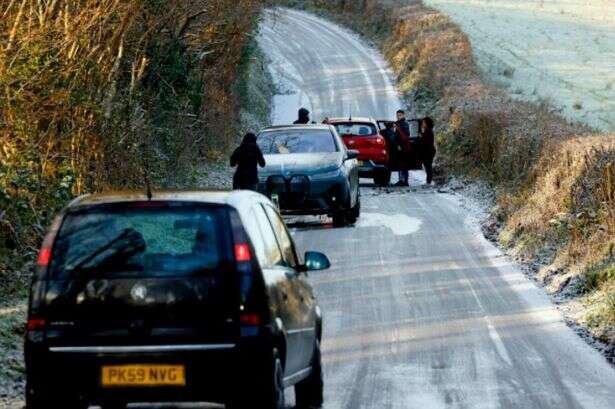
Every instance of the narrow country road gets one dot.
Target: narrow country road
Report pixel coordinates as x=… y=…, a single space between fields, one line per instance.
x=324 y=68
x=420 y=310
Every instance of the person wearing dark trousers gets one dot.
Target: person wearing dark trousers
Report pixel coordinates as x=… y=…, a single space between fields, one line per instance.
x=304 y=117
x=247 y=157
x=402 y=134
x=428 y=147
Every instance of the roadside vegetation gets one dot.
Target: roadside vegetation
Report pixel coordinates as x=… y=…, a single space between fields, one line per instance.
x=109 y=94
x=554 y=180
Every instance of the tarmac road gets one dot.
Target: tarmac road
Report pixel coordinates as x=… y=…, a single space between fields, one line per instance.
x=420 y=310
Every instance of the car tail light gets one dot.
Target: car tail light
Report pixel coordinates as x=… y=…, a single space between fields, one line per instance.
x=380 y=141
x=242 y=253
x=250 y=319
x=44 y=255
x=35 y=324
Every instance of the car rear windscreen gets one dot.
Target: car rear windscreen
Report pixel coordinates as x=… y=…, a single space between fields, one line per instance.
x=297 y=141
x=356 y=129
x=141 y=241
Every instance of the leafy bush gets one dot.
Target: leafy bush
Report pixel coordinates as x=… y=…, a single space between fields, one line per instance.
x=104 y=94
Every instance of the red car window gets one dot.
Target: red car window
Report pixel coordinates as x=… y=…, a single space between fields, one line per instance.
x=356 y=129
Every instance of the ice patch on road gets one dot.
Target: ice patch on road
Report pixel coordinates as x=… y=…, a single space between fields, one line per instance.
x=399 y=224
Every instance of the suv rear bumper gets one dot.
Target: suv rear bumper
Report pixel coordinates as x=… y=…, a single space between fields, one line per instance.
x=324 y=196
x=212 y=371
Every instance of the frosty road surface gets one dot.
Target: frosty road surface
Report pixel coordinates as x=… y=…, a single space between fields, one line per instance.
x=426 y=314
x=325 y=69
x=561 y=50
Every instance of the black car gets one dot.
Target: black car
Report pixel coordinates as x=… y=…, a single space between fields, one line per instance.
x=187 y=297
x=309 y=171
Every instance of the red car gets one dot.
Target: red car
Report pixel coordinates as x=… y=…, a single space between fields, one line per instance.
x=363 y=135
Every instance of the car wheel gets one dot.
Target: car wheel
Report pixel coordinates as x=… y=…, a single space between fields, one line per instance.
x=382 y=178
x=267 y=392
x=309 y=392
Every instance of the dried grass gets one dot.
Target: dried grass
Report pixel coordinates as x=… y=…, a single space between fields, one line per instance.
x=100 y=94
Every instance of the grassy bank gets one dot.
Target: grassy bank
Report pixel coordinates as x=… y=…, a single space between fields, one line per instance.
x=98 y=95
x=554 y=180
x=11 y=353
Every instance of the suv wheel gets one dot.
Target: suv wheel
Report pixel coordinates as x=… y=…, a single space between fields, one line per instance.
x=353 y=214
x=339 y=219
x=309 y=392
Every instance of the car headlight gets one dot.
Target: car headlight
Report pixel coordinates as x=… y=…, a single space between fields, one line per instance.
x=329 y=174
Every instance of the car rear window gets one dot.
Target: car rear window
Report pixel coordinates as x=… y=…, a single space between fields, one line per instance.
x=356 y=129
x=141 y=241
x=297 y=141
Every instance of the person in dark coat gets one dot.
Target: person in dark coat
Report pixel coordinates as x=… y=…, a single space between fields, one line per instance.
x=428 y=147
x=393 y=147
x=388 y=133
x=304 y=117
x=247 y=157
x=402 y=135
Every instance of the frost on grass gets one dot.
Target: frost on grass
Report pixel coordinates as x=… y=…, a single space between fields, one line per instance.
x=562 y=51
x=12 y=380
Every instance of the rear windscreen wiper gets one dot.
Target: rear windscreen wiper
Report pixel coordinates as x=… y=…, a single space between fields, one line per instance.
x=127 y=244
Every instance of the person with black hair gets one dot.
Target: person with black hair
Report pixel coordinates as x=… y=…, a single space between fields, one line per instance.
x=427 y=147
x=304 y=117
x=247 y=157
x=402 y=135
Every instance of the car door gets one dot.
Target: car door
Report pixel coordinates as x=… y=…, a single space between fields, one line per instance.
x=300 y=293
x=284 y=302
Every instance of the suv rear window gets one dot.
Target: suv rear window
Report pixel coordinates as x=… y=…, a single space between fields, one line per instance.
x=289 y=141
x=141 y=241
x=356 y=129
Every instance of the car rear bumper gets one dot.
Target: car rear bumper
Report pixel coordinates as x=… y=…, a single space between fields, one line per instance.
x=212 y=371
x=369 y=167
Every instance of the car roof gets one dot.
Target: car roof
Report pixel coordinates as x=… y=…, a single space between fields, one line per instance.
x=353 y=119
x=235 y=198
x=306 y=126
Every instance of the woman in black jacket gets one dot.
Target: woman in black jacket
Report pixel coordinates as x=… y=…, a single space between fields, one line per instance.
x=428 y=147
x=247 y=157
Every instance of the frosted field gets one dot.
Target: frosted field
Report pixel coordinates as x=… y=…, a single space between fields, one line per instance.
x=562 y=51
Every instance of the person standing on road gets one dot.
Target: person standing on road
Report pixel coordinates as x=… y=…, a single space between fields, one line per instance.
x=247 y=157
x=428 y=147
x=402 y=134
x=388 y=133
x=304 y=117
x=393 y=146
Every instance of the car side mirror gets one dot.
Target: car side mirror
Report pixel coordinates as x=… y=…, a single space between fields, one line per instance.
x=315 y=261
x=352 y=154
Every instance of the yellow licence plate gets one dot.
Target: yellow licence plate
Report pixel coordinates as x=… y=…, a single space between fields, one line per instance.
x=143 y=375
